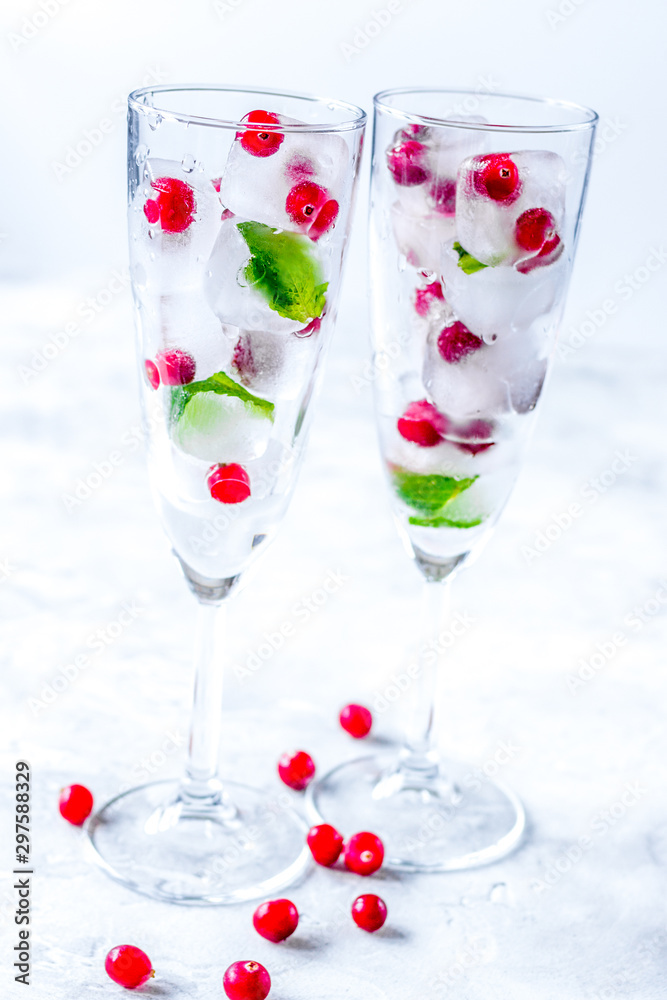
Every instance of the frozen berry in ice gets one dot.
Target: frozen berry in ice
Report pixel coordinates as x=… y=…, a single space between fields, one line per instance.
x=304 y=202
x=75 y=804
x=128 y=966
x=325 y=843
x=176 y=367
x=152 y=373
x=534 y=228
x=174 y=204
x=408 y=164
x=549 y=253
x=258 y=142
x=276 y=920
x=475 y=436
x=364 y=853
x=425 y=297
x=296 y=769
x=326 y=218
x=497 y=177
x=443 y=194
x=356 y=720
x=456 y=341
x=228 y=483
x=369 y=912
x=246 y=981
x=423 y=424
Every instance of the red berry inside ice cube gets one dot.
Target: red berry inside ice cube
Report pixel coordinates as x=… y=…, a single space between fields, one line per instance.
x=258 y=142
x=75 y=804
x=325 y=843
x=326 y=217
x=534 y=228
x=356 y=720
x=364 y=853
x=276 y=920
x=497 y=177
x=443 y=193
x=152 y=373
x=304 y=202
x=423 y=424
x=456 y=342
x=128 y=966
x=407 y=163
x=549 y=253
x=424 y=297
x=474 y=437
x=176 y=367
x=228 y=483
x=369 y=912
x=246 y=981
x=174 y=204
x=296 y=769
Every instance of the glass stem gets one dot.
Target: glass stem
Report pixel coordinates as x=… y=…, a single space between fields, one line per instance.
x=419 y=753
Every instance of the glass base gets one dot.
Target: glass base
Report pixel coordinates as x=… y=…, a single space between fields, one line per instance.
x=446 y=818
x=154 y=841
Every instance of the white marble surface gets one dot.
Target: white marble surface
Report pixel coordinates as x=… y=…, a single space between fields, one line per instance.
x=536 y=925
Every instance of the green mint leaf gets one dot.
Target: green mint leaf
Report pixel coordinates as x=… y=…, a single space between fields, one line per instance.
x=440 y=521
x=466 y=261
x=224 y=386
x=283 y=268
x=428 y=494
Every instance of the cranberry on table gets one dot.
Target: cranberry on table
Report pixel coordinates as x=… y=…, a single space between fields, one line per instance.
x=364 y=853
x=75 y=804
x=325 y=843
x=276 y=920
x=128 y=966
x=369 y=912
x=246 y=981
x=259 y=143
x=228 y=483
x=296 y=769
x=356 y=720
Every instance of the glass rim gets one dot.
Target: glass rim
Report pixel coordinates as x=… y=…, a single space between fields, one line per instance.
x=381 y=103
x=357 y=116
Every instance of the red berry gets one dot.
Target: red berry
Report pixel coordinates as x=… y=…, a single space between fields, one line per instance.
x=475 y=436
x=423 y=424
x=246 y=981
x=356 y=720
x=176 y=367
x=326 y=218
x=325 y=843
x=497 y=177
x=549 y=253
x=128 y=966
x=175 y=204
x=407 y=163
x=424 y=297
x=276 y=920
x=152 y=374
x=456 y=341
x=228 y=483
x=308 y=331
x=369 y=912
x=364 y=853
x=259 y=143
x=304 y=202
x=443 y=193
x=75 y=804
x=534 y=228
x=296 y=769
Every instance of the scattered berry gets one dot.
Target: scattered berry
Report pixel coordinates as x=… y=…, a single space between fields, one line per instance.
x=259 y=143
x=549 y=253
x=369 y=912
x=128 y=966
x=534 y=228
x=325 y=843
x=497 y=177
x=246 y=981
x=75 y=804
x=356 y=720
x=326 y=218
x=456 y=341
x=174 y=205
x=228 y=483
x=296 y=769
x=474 y=437
x=443 y=193
x=176 y=367
x=276 y=920
x=152 y=374
x=407 y=163
x=423 y=424
x=425 y=297
x=364 y=853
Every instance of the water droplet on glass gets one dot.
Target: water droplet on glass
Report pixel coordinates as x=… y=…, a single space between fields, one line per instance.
x=188 y=163
x=141 y=153
x=154 y=121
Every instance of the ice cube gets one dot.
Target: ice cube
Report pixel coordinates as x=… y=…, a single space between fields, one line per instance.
x=494 y=302
x=278 y=186
x=278 y=366
x=169 y=245
x=493 y=193
x=238 y=303
x=420 y=237
x=185 y=322
x=220 y=428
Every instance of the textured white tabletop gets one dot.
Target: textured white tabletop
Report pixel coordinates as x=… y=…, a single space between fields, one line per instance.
x=562 y=664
